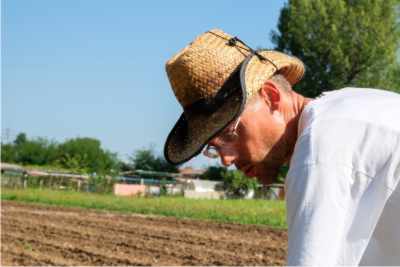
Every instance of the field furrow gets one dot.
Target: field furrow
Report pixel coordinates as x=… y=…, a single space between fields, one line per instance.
x=45 y=235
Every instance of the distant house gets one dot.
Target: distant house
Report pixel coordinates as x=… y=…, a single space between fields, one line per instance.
x=12 y=168
x=189 y=172
x=205 y=189
x=206 y=185
x=129 y=189
x=186 y=182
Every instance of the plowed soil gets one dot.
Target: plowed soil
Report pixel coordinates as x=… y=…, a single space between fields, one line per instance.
x=34 y=234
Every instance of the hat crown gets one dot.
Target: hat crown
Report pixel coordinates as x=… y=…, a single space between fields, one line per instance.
x=200 y=69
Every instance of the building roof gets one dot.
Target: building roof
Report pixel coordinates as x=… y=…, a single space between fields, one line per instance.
x=190 y=171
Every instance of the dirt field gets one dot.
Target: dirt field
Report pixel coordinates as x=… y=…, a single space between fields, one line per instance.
x=42 y=235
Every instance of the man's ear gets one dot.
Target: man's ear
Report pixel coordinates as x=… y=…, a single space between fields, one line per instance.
x=270 y=93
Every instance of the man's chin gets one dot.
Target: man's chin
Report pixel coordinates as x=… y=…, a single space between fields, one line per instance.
x=265 y=172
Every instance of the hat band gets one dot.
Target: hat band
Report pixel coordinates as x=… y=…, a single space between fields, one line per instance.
x=233 y=42
x=210 y=105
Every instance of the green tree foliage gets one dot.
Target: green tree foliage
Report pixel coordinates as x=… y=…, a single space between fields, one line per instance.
x=101 y=184
x=342 y=43
x=78 y=154
x=7 y=153
x=237 y=184
x=37 y=151
x=145 y=159
x=214 y=173
x=86 y=154
x=20 y=139
x=218 y=173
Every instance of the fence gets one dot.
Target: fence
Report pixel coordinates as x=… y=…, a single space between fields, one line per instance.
x=96 y=184
x=14 y=177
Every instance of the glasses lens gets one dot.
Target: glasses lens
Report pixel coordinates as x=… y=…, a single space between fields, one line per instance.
x=211 y=152
x=230 y=134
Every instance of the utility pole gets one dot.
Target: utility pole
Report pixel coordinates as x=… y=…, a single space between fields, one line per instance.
x=5 y=138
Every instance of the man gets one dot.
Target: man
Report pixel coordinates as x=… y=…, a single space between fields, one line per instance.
x=343 y=148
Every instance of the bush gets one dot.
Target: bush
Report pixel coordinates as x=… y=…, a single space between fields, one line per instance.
x=163 y=187
x=214 y=173
x=101 y=184
x=237 y=184
x=146 y=160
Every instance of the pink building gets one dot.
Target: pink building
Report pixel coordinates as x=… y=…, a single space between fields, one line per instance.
x=129 y=189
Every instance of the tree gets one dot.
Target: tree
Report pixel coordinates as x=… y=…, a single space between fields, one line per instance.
x=7 y=153
x=86 y=154
x=218 y=173
x=78 y=154
x=214 y=173
x=38 y=151
x=342 y=43
x=20 y=139
x=145 y=159
x=238 y=184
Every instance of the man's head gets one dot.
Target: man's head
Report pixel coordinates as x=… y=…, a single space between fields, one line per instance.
x=264 y=134
x=217 y=79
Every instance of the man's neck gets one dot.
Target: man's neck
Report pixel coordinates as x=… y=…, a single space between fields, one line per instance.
x=295 y=108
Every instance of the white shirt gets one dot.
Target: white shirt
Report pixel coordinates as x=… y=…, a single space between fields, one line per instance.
x=342 y=193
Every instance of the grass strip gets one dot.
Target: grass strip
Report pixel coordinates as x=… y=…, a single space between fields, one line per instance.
x=260 y=212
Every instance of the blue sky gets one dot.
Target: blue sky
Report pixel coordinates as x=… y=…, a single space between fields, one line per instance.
x=95 y=68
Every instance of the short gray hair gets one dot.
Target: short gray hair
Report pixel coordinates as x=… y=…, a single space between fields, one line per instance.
x=281 y=81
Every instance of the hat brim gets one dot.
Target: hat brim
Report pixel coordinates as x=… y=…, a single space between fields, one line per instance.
x=193 y=131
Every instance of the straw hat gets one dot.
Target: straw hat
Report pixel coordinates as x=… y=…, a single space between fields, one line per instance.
x=212 y=78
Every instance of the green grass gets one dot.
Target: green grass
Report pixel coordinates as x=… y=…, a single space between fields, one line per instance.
x=261 y=212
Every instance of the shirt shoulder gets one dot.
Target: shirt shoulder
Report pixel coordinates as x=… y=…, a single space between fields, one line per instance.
x=353 y=127
x=375 y=106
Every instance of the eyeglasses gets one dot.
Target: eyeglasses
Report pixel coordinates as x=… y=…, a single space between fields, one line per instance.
x=228 y=136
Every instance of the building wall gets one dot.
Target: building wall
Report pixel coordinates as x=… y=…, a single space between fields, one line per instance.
x=204 y=195
x=205 y=185
x=129 y=189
